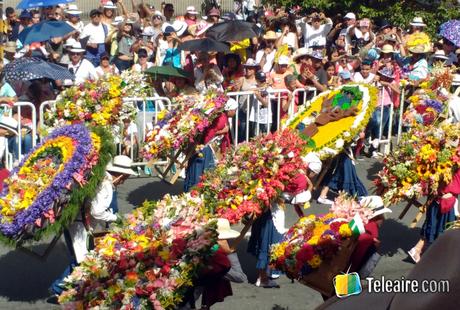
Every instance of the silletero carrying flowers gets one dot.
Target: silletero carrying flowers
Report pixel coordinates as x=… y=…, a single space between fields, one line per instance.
x=46 y=191
x=427 y=159
x=182 y=126
x=148 y=261
x=258 y=172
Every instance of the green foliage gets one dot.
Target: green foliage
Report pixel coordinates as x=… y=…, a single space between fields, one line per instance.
x=399 y=13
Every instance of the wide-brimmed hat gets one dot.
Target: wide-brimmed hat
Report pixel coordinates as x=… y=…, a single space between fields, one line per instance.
x=420 y=49
x=109 y=5
x=180 y=27
x=10 y=124
x=121 y=164
x=303 y=51
x=316 y=55
x=118 y=20
x=313 y=162
x=417 y=22
x=384 y=24
x=224 y=230
x=72 y=9
x=456 y=80
x=387 y=49
x=76 y=48
x=250 y=62
x=10 y=47
x=270 y=35
x=192 y=10
x=283 y=60
x=375 y=203
x=440 y=54
x=69 y=42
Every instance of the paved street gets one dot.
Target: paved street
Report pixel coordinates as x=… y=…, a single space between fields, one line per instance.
x=24 y=279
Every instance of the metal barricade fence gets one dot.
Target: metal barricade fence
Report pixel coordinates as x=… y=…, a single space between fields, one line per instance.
x=26 y=138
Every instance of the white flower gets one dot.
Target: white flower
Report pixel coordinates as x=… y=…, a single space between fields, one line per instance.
x=291 y=154
x=339 y=143
x=346 y=134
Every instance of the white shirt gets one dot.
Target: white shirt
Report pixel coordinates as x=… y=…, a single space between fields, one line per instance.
x=358 y=78
x=260 y=113
x=79 y=26
x=100 y=72
x=318 y=36
x=96 y=34
x=454 y=109
x=138 y=68
x=268 y=61
x=84 y=70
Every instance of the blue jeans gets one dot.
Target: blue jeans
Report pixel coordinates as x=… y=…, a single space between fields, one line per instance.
x=26 y=145
x=374 y=124
x=94 y=54
x=56 y=287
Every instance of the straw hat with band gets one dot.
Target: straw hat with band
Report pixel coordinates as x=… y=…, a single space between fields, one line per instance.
x=300 y=53
x=251 y=63
x=76 y=48
x=440 y=54
x=9 y=124
x=224 y=230
x=417 y=22
x=387 y=49
x=191 y=10
x=109 y=5
x=420 y=49
x=121 y=164
x=73 y=10
x=270 y=35
x=10 y=47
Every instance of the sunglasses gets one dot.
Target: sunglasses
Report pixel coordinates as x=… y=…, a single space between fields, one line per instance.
x=73 y=53
x=157 y=17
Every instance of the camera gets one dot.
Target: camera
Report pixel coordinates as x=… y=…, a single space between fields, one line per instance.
x=264 y=93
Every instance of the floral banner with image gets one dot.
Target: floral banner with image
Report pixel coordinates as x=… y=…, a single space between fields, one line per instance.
x=334 y=118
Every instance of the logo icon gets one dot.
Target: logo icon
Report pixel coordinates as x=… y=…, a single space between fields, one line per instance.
x=347 y=284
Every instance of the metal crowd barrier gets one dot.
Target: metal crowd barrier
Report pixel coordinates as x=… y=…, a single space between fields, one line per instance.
x=18 y=110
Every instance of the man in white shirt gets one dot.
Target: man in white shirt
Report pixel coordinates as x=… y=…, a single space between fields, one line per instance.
x=97 y=33
x=80 y=67
x=315 y=34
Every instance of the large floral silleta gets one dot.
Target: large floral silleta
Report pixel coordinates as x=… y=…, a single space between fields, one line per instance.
x=46 y=191
x=332 y=119
x=183 y=125
x=148 y=261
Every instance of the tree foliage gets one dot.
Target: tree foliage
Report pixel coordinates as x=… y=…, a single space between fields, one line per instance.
x=397 y=12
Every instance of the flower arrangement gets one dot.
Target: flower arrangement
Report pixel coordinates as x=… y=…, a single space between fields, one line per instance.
x=180 y=127
x=424 y=109
x=417 y=39
x=98 y=103
x=427 y=158
x=346 y=207
x=246 y=183
x=46 y=191
x=333 y=118
x=148 y=261
x=308 y=243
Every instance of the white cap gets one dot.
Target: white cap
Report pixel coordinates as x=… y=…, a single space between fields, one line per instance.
x=283 y=60
x=191 y=10
x=350 y=15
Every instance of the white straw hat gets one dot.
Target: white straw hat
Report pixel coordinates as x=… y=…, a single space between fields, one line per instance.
x=417 y=22
x=76 y=48
x=72 y=9
x=121 y=164
x=10 y=124
x=224 y=230
x=109 y=5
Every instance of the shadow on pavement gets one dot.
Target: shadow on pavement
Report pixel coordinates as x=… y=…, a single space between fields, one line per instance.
x=247 y=261
x=373 y=170
x=26 y=278
x=396 y=235
x=154 y=190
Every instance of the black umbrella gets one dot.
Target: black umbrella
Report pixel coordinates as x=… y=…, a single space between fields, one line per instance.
x=204 y=45
x=235 y=30
x=30 y=68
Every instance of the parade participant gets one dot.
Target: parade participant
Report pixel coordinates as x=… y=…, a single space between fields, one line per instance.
x=102 y=209
x=442 y=210
x=97 y=33
x=368 y=242
x=80 y=67
x=204 y=159
x=342 y=176
x=8 y=129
